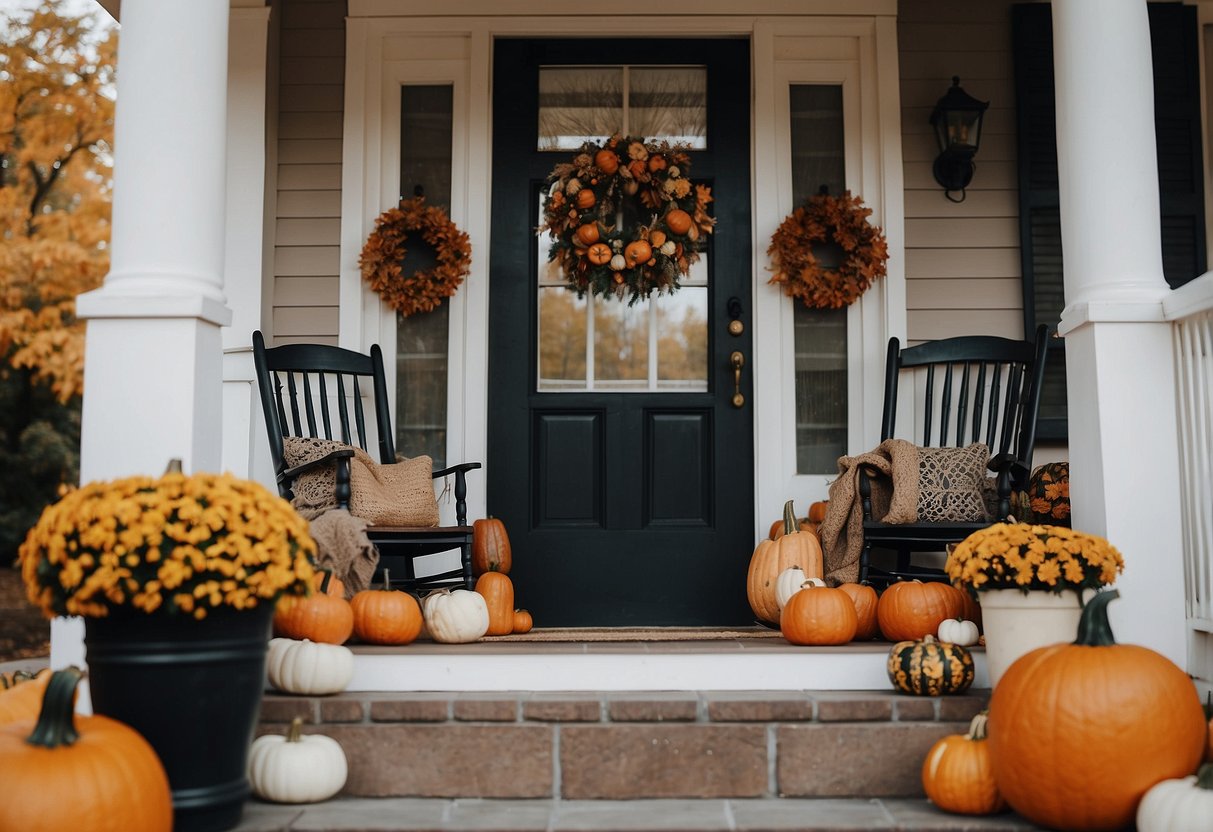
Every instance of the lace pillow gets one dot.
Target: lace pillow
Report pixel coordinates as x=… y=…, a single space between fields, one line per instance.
x=951 y=483
x=400 y=494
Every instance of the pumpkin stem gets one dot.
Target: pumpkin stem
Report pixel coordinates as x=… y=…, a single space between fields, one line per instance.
x=789 y=518
x=295 y=732
x=1204 y=777
x=1093 y=627
x=387 y=580
x=977 y=727
x=1209 y=705
x=324 y=582
x=56 y=721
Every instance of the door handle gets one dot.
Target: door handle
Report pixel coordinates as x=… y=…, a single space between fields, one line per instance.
x=738 y=361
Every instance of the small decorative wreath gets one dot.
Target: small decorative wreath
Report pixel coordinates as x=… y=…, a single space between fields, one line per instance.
x=625 y=219
x=843 y=221
x=383 y=255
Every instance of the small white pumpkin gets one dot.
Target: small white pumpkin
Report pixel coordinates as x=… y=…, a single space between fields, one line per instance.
x=1183 y=805
x=297 y=767
x=958 y=631
x=456 y=616
x=303 y=666
x=791 y=581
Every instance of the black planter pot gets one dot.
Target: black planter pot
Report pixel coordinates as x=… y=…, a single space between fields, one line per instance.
x=193 y=690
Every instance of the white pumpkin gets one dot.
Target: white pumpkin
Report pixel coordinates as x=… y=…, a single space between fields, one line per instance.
x=791 y=581
x=456 y=616
x=1183 y=805
x=957 y=631
x=303 y=666
x=297 y=767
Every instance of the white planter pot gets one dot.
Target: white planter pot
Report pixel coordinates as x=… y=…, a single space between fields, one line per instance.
x=1016 y=622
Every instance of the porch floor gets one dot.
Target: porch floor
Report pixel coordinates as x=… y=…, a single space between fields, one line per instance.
x=707 y=815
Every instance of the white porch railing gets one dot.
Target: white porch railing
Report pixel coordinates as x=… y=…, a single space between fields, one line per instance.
x=1190 y=309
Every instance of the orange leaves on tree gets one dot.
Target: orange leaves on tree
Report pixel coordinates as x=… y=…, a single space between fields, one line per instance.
x=56 y=135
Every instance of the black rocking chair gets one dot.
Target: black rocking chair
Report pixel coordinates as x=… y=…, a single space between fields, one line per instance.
x=976 y=389
x=316 y=390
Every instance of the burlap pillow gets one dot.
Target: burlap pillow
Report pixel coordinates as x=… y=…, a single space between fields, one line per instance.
x=400 y=494
x=951 y=482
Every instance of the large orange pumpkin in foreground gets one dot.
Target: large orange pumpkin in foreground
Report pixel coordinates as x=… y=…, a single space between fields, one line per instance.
x=324 y=616
x=819 y=615
x=80 y=772
x=1080 y=732
x=910 y=610
x=386 y=616
x=771 y=557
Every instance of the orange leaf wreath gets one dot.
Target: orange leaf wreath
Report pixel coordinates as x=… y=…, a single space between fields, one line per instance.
x=843 y=221
x=383 y=254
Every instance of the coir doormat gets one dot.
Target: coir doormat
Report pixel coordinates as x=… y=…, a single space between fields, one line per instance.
x=640 y=634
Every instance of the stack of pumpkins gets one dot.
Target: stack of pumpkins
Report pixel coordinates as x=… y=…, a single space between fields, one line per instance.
x=1089 y=735
x=931 y=623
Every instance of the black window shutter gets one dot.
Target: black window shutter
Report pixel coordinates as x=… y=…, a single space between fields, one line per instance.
x=1173 y=34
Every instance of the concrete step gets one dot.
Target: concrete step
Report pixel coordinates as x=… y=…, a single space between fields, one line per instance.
x=734 y=815
x=639 y=745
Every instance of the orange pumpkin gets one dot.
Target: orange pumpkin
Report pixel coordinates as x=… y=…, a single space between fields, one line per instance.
x=911 y=610
x=772 y=557
x=957 y=774
x=657 y=238
x=491 y=550
x=327 y=582
x=657 y=162
x=80 y=772
x=638 y=169
x=817 y=511
x=1080 y=731
x=22 y=698
x=586 y=199
x=587 y=234
x=386 y=616
x=522 y=621
x=599 y=254
x=498 y=592
x=321 y=617
x=637 y=252
x=819 y=615
x=678 y=221
x=607 y=161
x=865 y=600
x=802 y=525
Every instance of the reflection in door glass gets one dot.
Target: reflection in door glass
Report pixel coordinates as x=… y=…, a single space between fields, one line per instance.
x=621 y=345
x=562 y=339
x=579 y=104
x=588 y=104
x=682 y=339
x=669 y=103
x=821 y=334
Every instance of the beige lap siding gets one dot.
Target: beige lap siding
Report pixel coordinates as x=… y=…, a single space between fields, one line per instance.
x=308 y=215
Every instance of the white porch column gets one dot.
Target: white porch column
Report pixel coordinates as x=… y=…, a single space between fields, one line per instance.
x=1123 y=448
x=245 y=444
x=153 y=355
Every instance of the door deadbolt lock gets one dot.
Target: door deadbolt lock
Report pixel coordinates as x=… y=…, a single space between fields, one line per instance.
x=738 y=361
x=736 y=327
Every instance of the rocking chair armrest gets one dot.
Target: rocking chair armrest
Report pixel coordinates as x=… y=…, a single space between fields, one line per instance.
x=342 y=458
x=461 y=487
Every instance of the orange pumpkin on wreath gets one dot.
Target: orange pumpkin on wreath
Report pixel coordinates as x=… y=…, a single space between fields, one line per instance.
x=824 y=219
x=382 y=257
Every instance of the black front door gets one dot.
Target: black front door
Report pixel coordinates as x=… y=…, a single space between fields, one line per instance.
x=618 y=457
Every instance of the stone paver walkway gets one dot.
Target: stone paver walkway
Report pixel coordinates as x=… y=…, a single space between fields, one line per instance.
x=776 y=815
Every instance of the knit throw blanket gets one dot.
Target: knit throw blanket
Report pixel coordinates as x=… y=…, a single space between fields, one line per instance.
x=894 y=500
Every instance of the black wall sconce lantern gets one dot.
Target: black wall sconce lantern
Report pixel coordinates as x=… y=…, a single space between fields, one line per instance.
x=957 y=122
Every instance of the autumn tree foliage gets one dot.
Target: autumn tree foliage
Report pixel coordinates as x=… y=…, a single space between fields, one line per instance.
x=56 y=135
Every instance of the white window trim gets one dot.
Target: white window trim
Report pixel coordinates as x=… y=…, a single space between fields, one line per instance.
x=385 y=52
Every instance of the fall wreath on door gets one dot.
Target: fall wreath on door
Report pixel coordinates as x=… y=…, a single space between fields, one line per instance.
x=625 y=219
